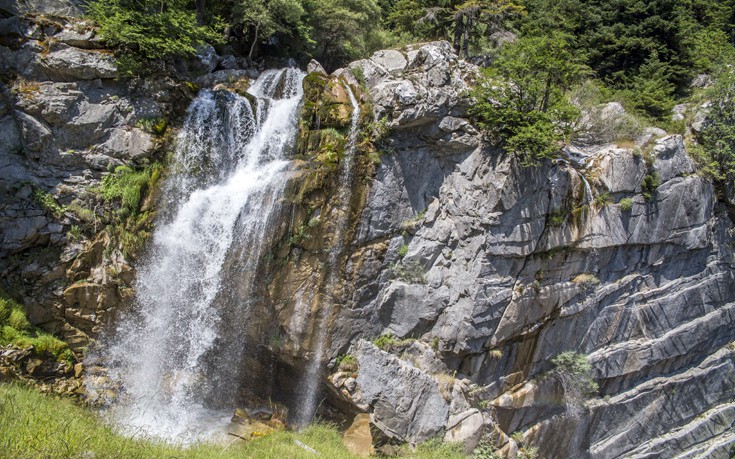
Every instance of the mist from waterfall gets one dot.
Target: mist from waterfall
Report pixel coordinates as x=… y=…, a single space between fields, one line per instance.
x=308 y=402
x=176 y=355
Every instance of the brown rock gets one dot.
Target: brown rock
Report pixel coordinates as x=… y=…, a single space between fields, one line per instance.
x=357 y=438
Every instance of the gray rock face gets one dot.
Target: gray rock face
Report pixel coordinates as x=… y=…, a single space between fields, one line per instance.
x=406 y=402
x=517 y=265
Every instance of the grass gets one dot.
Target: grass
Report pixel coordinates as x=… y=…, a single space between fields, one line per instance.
x=15 y=329
x=35 y=425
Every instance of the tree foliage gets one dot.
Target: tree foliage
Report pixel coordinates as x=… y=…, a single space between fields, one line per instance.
x=520 y=99
x=151 y=29
x=718 y=137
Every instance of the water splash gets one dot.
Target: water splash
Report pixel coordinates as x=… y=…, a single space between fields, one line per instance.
x=309 y=399
x=176 y=354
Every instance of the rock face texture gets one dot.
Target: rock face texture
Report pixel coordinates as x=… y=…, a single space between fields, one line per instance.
x=502 y=268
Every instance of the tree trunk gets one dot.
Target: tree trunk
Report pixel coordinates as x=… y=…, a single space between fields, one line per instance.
x=466 y=39
x=200 y=7
x=458 y=31
x=255 y=40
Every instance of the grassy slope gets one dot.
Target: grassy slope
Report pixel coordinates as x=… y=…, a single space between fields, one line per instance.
x=33 y=425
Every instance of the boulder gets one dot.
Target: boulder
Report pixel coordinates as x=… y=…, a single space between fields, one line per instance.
x=406 y=403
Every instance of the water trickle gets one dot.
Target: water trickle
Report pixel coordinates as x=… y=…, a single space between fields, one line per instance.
x=309 y=398
x=176 y=355
x=587 y=189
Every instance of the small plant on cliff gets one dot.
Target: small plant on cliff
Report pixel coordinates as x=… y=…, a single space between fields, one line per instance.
x=346 y=362
x=16 y=329
x=485 y=450
x=386 y=341
x=128 y=186
x=572 y=370
x=412 y=272
x=651 y=181
x=48 y=203
x=403 y=250
x=626 y=204
x=586 y=280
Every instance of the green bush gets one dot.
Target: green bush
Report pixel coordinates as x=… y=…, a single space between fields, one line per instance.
x=386 y=341
x=144 y=30
x=128 y=186
x=718 y=137
x=403 y=250
x=347 y=362
x=17 y=330
x=573 y=372
x=48 y=203
x=651 y=181
x=626 y=204
x=412 y=272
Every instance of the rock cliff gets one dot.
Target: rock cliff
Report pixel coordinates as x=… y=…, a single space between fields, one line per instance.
x=480 y=272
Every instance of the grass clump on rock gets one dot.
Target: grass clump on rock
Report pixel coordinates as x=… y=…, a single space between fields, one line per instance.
x=16 y=330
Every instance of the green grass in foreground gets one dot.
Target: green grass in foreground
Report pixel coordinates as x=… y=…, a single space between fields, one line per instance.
x=34 y=425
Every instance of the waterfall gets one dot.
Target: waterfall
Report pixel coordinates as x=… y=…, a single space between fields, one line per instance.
x=176 y=355
x=309 y=399
x=587 y=189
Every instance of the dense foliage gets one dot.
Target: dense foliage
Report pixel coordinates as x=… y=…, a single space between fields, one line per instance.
x=521 y=100
x=625 y=42
x=643 y=53
x=718 y=137
x=150 y=29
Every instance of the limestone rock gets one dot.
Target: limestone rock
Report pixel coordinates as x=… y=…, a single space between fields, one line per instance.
x=74 y=64
x=406 y=403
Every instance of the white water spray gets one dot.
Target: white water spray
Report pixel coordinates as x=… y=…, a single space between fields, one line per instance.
x=176 y=355
x=309 y=399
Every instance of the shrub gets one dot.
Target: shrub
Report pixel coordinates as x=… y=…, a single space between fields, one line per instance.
x=586 y=280
x=651 y=181
x=573 y=372
x=601 y=200
x=16 y=329
x=403 y=250
x=128 y=186
x=386 y=341
x=347 y=362
x=48 y=203
x=556 y=218
x=626 y=204
x=412 y=272
x=718 y=137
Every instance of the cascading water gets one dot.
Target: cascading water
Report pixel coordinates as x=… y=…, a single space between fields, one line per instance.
x=176 y=355
x=308 y=402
